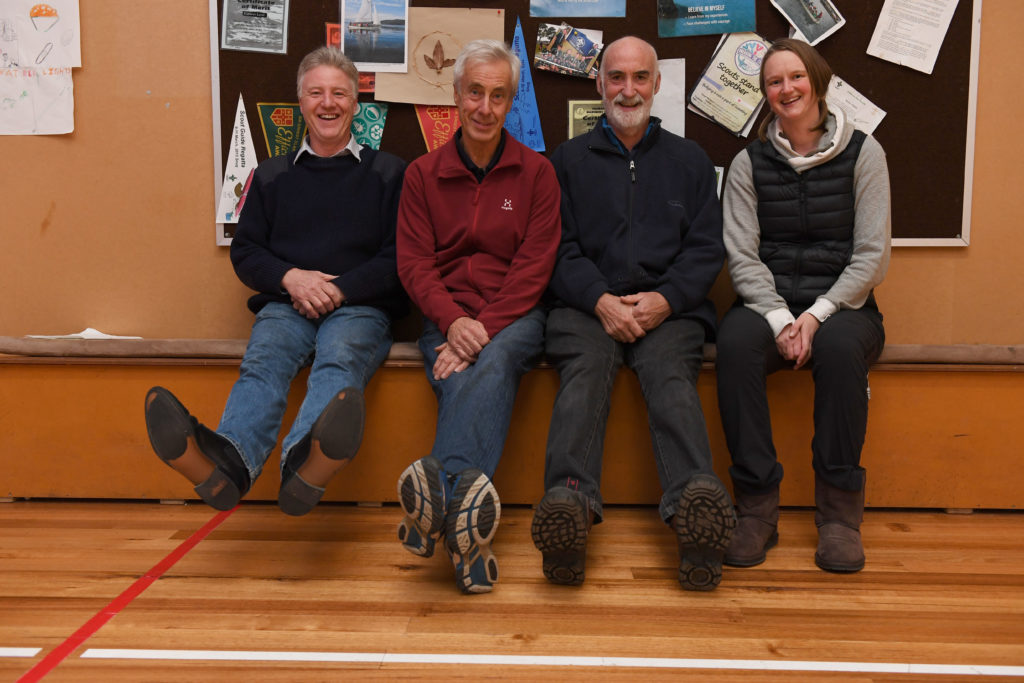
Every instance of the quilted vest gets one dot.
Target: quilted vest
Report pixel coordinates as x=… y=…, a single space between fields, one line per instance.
x=806 y=220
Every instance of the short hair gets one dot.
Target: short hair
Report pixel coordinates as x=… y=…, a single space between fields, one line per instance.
x=328 y=56
x=604 y=53
x=486 y=50
x=819 y=73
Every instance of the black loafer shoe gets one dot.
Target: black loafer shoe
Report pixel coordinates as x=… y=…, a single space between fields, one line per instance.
x=338 y=432
x=212 y=465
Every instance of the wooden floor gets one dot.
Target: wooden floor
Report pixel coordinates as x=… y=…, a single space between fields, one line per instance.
x=938 y=589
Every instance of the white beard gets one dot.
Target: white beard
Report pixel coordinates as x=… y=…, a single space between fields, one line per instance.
x=627 y=120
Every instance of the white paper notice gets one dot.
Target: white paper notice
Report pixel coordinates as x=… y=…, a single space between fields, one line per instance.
x=39 y=35
x=910 y=32
x=238 y=170
x=36 y=101
x=670 y=102
x=860 y=111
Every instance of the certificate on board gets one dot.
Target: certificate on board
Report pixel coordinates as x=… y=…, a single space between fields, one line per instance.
x=728 y=91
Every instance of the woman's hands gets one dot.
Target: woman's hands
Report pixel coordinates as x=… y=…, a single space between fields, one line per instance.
x=794 y=342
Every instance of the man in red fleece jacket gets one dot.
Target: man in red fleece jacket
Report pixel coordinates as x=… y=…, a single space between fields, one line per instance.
x=478 y=229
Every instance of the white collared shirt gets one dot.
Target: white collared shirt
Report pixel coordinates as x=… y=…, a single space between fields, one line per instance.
x=352 y=148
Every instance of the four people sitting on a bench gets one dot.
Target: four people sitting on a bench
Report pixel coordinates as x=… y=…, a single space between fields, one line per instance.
x=624 y=230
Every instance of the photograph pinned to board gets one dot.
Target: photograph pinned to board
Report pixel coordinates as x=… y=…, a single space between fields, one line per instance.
x=670 y=101
x=812 y=20
x=583 y=116
x=910 y=33
x=255 y=26
x=333 y=39
x=38 y=35
x=436 y=36
x=575 y=8
x=677 y=18
x=728 y=91
x=567 y=50
x=374 y=34
x=860 y=111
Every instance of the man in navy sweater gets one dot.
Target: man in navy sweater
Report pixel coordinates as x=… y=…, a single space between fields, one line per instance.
x=641 y=247
x=316 y=240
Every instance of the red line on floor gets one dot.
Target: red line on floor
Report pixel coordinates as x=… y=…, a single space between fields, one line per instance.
x=59 y=653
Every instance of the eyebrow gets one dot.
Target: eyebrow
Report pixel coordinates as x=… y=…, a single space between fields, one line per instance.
x=620 y=72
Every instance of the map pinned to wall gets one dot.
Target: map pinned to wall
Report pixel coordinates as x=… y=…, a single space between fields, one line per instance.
x=437 y=34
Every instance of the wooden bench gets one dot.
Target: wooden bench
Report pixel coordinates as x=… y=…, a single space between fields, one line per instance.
x=945 y=428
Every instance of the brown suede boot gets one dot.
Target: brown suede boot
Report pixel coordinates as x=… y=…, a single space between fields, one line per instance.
x=838 y=516
x=756 y=532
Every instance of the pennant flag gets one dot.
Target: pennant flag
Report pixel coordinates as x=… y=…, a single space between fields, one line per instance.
x=438 y=123
x=368 y=123
x=523 y=120
x=240 y=163
x=283 y=126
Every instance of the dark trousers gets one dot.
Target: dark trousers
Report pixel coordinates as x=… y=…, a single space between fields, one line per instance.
x=666 y=362
x=842 y=351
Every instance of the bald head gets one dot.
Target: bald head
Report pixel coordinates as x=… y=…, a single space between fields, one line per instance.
x=629 y=46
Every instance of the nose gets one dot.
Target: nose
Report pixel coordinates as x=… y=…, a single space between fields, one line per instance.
x=628 y=87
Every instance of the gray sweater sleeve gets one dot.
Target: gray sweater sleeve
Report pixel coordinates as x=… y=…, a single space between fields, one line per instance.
x=872 y=229
x=751 y=278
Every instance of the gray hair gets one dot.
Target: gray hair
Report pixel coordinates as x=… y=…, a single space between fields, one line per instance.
x=328 y=56
x=486 y=50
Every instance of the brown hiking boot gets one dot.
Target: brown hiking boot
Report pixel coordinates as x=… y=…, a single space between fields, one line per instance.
x=838 y=516
x=756 y=531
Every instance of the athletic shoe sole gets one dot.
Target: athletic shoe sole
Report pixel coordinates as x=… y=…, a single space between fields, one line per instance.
x=559 y=531
x=703 y=523
x=470 y=526
x=421 y=494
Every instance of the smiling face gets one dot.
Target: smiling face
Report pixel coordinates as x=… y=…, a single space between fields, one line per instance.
x=627 y=83
x=789 y=91
x=483 y=97
x=328 y=102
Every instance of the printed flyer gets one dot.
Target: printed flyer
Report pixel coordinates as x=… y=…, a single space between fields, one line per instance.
x=728 y=91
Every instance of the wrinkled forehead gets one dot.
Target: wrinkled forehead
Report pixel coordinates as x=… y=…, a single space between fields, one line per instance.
x=629 y=55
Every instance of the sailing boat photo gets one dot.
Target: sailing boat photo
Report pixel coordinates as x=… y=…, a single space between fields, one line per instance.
x=366 y=19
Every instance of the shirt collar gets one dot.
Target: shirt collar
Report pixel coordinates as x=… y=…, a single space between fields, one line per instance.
x=470 y=164
x=614 y=139
x=352 y=148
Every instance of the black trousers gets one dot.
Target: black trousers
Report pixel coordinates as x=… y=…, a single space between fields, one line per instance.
x=842 y=351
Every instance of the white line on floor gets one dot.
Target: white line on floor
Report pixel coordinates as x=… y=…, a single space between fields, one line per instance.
x=528 y=660
x=19 y=651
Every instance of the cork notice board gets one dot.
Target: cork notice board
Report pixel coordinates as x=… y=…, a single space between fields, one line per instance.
x=928 y=132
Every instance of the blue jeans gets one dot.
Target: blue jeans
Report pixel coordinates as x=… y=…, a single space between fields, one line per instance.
x=474 y=407
x=666 y=361
x=345 y=347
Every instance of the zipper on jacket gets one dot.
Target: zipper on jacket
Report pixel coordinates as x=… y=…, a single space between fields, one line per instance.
x=800 y=245
x=629 y=226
